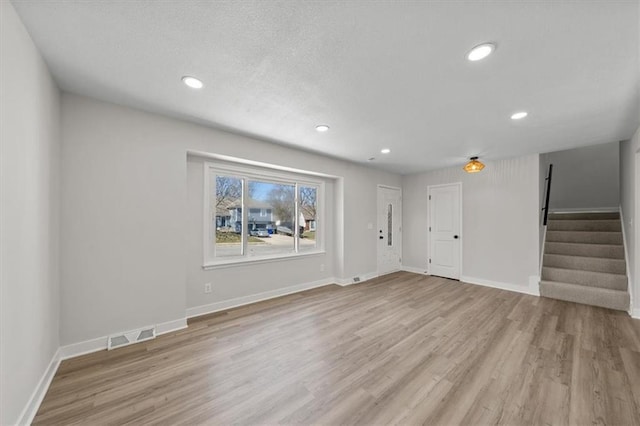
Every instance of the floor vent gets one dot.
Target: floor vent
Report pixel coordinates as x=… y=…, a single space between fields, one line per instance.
x=356 y=279
x=131 y=337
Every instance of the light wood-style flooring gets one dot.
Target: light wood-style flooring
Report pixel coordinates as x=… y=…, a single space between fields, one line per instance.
x=403 y=349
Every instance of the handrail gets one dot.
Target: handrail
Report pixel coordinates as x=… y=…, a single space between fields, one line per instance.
x=548 y=193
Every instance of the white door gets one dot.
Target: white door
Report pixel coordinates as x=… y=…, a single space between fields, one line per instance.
x=445 y=240
x=389 y=231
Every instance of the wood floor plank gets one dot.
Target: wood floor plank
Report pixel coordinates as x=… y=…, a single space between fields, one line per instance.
x=401 y=349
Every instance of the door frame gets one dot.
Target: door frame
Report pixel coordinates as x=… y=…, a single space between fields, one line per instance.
x=429 y=187
x=395 y=188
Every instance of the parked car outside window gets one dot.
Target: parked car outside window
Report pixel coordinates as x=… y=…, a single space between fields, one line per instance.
x=259 y=232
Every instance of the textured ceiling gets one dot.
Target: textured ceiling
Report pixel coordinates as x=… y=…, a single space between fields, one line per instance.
x=380 y=73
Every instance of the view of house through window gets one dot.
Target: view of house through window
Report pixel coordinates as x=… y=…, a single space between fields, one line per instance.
x=227 y=205
x=273 y=233
x=280 y=216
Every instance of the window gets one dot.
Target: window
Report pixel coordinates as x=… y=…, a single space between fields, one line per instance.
x=308 y=196
x=281 y=198
x=227 y=203
x=259 y=214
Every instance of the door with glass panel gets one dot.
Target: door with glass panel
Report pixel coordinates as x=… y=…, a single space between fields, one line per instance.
x=389 y=230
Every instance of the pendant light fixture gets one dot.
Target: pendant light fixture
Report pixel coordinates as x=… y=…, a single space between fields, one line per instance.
x=473 y=166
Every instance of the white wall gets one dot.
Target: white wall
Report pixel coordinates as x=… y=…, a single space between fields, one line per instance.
x=629 y=201
x=30 y=147
x=131 y=253
x=499 y=225
x=585 y=178
x=123 y=211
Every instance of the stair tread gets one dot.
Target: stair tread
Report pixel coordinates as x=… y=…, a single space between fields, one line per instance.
x=607 y=225
x=568 y=245
x=585 y=278
x=549 y=220
x=589 y=237
x=581 y=216
x=587 y=288
x=585 y=263
x=584 y=230
x=586 y=272
x=608 y=259
x=584 y=244
x=595 y=296
x=584 y=220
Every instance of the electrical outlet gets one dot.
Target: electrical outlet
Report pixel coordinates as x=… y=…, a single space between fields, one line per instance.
x=207 y=288
x=322 y=267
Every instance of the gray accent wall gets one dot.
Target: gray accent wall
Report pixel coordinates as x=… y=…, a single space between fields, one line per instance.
x=29 y=153
x=585 y=178
x=630 y=201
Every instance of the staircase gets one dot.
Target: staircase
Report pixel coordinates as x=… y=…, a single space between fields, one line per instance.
x=584 y=260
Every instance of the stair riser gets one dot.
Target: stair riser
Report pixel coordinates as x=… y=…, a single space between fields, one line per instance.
x=585 y=225
x=585 y=237
x=593 y=264
x=585 y=278
x=588 y=250
x=587 y=296
x=584 y=216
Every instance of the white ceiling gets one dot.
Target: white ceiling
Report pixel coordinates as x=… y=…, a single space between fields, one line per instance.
x=380 y=73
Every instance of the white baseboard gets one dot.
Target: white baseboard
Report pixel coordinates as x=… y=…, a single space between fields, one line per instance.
x=31 y=409
x=363 y=277
x=169 y=326
x=414 y=270
x=82 y=348
x=502 y=286
x=99 y=344
x=635 y=313
x=534 y=285
x=245 y=300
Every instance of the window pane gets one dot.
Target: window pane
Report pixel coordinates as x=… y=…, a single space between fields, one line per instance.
x=228 y=216
x=308 y=197
x=271 y=218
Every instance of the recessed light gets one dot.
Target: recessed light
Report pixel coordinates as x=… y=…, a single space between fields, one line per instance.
x=519 y=115
x=481 y=51
x=192 y=82
x=385 y=150
x=322 y=128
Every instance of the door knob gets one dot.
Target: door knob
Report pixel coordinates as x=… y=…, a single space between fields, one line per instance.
x=455 y=237
x=381 y=237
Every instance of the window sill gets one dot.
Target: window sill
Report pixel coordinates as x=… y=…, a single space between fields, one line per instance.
x=257 y=260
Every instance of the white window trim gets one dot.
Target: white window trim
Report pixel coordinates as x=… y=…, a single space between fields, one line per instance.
x=260 y=259
x=246 y=173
